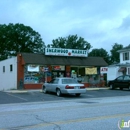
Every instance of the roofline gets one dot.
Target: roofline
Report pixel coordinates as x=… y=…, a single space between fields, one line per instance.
x=124 y=49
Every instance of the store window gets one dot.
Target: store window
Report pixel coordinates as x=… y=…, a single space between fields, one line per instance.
x=36 y=74
x=86 y=74
x=74 y=71
x=92 y=76
x=58 y=71
x=78 y=73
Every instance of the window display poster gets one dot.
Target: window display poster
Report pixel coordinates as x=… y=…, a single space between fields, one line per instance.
x=91 y=70
x=58 y=67
x=31 y=79
x=33 y=68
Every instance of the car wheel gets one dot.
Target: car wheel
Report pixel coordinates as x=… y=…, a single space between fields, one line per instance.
x=111 y=86
x=44 y=89
x=58 y=92
x=77 y=94
x=121 y=88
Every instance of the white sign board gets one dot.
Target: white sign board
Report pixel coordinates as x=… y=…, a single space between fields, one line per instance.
x=66 y=52
x=33 y=68
x=103 y=70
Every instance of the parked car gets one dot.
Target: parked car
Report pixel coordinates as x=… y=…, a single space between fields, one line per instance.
x=64 y=85
x=120 y=82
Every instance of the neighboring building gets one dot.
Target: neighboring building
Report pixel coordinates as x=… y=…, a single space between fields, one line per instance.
x=8 y=74
x=121 y=68
x=31 y=70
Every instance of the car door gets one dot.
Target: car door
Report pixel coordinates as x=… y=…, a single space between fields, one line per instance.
x=126 y=81
x=119 y=81
x=55 y=84
x=52 y=85
x=48 y=85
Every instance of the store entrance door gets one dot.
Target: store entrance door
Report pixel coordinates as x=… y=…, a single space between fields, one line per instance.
x=58 y=74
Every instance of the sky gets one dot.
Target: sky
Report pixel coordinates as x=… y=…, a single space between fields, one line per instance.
x=102 y=23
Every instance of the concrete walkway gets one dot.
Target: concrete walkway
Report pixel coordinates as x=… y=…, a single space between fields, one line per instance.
x=40 y=90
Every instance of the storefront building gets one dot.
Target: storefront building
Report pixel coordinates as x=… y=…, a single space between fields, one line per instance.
x=33 y=69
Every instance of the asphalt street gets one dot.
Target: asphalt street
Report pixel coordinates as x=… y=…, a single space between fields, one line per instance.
x=84 y=113
x=36 y=96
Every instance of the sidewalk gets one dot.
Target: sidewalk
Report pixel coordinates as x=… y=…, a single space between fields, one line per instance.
x=97 y=88
x=40 y=90
x=23 y=91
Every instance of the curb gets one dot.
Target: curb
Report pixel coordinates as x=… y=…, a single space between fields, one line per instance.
x=29 y=91
x=96 y=88
x=16 y=91
x=23 y=91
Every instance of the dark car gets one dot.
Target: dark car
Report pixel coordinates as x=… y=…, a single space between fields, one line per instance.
x=120 y=82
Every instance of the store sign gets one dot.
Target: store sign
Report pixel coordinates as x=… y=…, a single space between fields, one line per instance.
x=65 y=52
x=103 y=70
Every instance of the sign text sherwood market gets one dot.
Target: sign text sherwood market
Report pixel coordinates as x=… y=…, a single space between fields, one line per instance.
x=65 y=52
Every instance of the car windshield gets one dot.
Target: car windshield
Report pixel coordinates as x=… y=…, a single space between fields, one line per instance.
x=69 y=81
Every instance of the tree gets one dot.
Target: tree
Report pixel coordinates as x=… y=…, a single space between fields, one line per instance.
x=16 y=38
x=114 y=54
x=100 y=53
x=70 y=42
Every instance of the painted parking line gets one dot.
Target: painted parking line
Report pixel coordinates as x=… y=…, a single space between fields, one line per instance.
x=17 y=97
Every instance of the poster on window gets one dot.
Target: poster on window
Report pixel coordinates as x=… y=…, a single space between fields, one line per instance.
x=91 y=71
x=58 y=67
x=33 y=68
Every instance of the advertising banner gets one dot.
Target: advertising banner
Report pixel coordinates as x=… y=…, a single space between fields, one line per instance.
x=91 y=71
x=33 y=68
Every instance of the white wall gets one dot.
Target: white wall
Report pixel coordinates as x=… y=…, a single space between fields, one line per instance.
x=8 y=79
x=113 y=72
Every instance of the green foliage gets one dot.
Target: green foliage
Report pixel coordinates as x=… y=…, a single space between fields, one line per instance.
x=16 y=38
x=70 y=42
x=100 y=53
x=115 y=56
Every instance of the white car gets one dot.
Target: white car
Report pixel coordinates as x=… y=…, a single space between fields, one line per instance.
x=64 y=85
